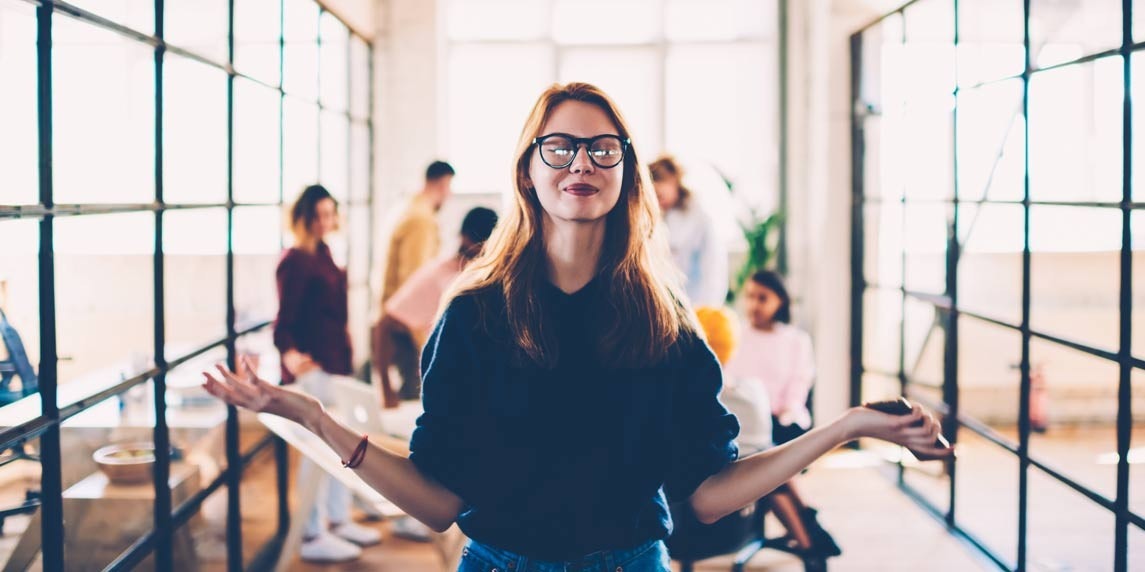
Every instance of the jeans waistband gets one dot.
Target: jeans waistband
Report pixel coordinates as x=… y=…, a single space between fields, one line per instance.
x=600 y=561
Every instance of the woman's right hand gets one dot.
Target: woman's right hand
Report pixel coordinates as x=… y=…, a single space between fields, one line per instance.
x=258 y=395
x=916 y=430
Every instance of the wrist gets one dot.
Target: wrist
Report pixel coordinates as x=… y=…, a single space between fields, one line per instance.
x=848 y=426
x=314 y=416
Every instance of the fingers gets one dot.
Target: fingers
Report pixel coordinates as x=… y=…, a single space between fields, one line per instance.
x=221 y=390
x=238 y=385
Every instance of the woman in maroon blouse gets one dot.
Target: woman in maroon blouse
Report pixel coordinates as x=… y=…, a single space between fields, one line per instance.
x=311 y=335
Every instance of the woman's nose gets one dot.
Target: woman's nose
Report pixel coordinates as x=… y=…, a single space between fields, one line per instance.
x=581 y=161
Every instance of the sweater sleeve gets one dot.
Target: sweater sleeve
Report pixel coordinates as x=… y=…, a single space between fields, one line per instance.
x=442 y=438
x=291 y=279
x=703 y=431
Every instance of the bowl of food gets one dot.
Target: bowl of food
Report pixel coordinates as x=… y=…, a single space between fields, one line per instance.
x=126 y=463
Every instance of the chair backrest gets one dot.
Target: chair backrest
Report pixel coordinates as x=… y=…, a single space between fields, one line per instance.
x=692 y=540
x=17 y=362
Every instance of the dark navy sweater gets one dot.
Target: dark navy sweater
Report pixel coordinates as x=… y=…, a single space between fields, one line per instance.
x=557 y=463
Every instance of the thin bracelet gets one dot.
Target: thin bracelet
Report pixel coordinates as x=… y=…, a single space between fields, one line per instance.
x=358 y=454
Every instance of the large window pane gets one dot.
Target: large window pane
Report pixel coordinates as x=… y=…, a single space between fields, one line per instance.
x=104 y=327
x=497 y=19
x=923 y=346
x=1073 y=405
x=1064 y=31
x=991 y=142
x=19 y=482
x=300 y=49
x=103 y=115
x=257 y=31
x=256 y=140
x=990 y=264
x=487 y=123
x=580 y=21
x=18 y=142
x=195 y=132
x=699 y=20
x=335 y=167
x=928 y=60
x=300 y=147
x=630 y=76
x=883 y=246
x=197 y=25
x=1137 y=93
x=924 y=236
x=335 y=62
x=357 y=219
x=1066 y=530
x=989 y=378
x=1074 y=273
x=20 y=294
x=986 y=493
x=359 y=78
x=1137 y=228
x=195 y=267
x=989 y=40
x=257 y=246
x=882 y=317
x=360 y=149
x=135 y=14
x=708 y=90
x=1075 y=132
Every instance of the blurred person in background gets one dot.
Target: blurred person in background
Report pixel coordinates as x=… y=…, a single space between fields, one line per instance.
x=692 y=237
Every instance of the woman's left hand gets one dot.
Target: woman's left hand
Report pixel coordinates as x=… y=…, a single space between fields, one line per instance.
x=917 y=431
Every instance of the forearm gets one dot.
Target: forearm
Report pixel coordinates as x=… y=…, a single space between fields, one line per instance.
x=393 y=475
x=746 y=480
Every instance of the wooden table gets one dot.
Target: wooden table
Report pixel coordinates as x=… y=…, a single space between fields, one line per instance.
x=103 y=519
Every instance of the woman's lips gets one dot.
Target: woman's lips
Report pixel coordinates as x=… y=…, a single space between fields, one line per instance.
x=581 y=190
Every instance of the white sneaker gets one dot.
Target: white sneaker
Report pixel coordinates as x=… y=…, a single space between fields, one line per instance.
x=356 y=533
x=410 y=528
x=328 y=548
x=371 y=510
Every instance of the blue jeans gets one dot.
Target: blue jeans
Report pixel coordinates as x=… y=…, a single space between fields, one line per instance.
x=648 y=557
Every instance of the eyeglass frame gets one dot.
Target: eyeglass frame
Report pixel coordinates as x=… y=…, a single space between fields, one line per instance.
x=587 y=143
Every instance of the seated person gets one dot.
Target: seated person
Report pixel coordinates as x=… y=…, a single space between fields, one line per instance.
x=748 y=400
x=413 y=308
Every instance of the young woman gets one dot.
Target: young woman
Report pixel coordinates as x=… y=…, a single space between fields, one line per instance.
x=692 y=237
x=775 y=353
x=566 y=389
x=310 y=333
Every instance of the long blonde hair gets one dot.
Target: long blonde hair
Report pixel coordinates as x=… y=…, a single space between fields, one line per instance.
x=643 y=292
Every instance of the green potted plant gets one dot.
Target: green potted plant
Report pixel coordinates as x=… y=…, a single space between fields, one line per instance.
x=762 y=236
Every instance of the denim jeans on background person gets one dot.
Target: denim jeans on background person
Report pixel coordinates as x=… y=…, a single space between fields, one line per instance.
x=648 y=557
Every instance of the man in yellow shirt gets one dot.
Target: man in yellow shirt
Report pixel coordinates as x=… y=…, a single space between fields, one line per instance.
x=414 y=242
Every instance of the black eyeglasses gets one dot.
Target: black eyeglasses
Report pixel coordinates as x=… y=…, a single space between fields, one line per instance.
x=558 y=150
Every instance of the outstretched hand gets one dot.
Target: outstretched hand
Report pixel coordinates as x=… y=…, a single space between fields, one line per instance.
x=250 y=392
x=916 y=431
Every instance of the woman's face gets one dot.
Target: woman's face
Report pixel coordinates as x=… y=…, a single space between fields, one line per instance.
x=667 y=192
x=581 y=192
x=325 y=218
x=761 y=304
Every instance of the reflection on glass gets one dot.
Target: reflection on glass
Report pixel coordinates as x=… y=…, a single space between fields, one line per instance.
x=986 y=493
x=258 y=236
x=104 y=327
x=20 y=301
x=924 y=237
x=991 y=142
x=199 y=26
x=257 y=31
x=103 y=115
x=256 y=140
x=990 y=263
x=694 y=20
x=299 y=146
x=579 y=21
x=195 y=132
x=1073 y=273
x=359 y=78
x=989 y=40
x=989 y=378
x=334 y=170
x=882 y=317
x=17 y=104
x=630 y=80
x=300 y=49
x=487 y=123
x=497 y=20
x=22 y=483
x=1065 y=528
x=883 y=246
x=360 y=149
x=334 y=61
x=700 y=114
x=1065 y=31
x=1073 y=408
x=924 y=344
x=195 y=269
x=1075 y=132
